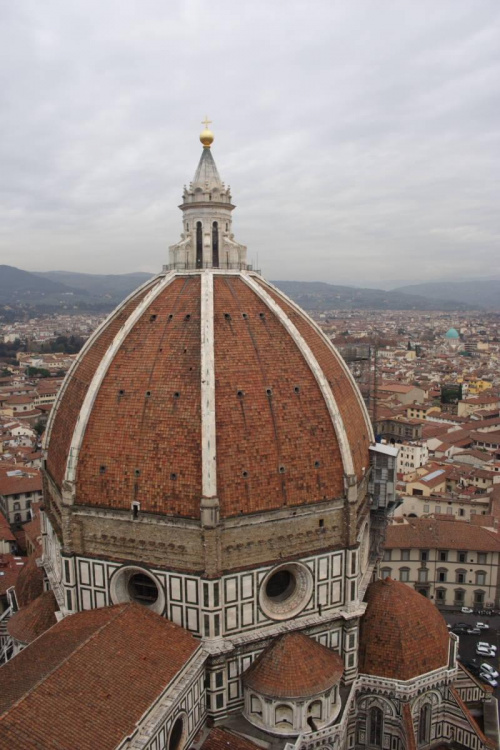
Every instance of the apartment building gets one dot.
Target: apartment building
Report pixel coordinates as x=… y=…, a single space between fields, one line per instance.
x=449 y=561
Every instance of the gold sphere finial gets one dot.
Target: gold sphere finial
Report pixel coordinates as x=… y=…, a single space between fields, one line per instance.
x=206 y=135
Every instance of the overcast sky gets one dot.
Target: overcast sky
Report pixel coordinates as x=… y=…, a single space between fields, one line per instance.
x=360 y=139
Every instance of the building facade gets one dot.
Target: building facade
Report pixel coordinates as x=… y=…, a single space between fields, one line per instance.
x=451 y=562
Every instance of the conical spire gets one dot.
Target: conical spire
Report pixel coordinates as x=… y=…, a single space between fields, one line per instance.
x=206 y=175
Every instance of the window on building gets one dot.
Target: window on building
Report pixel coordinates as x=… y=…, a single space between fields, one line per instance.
x=424 y=725
x=424 y=555
x=442 y=574
x=404 y=574
x=255 y=705
x=480 y=578
x=460 y=576
x=417 y=492
x=459 y=596
x=449 y=510
x=437 y=509
x=473 y=511
x=426 y=508
x=440 y=596
x=315 y=710
x=17 y=506
x=478 y=597
x=443 y=555
x=461 y=512
x=376 y=720
x=284 y=715
x=17 y=518
x=422 y=575
x=405 y=554
x=462 y=557
x=481 y=558
x=387 y=554
x=386 y=572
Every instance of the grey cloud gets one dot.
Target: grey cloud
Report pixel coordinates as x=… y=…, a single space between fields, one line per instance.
x=361 y=140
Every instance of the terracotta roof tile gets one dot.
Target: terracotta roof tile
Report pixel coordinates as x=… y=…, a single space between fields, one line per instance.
x=86 y=682
x=294 y=665
x=34 y=619
x=222 y=739
x=276 y=443
x=402 y=634
x=29 y=584
x=438 y=533
x=10 y=569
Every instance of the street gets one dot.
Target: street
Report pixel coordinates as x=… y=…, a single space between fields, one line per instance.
x=467 y=643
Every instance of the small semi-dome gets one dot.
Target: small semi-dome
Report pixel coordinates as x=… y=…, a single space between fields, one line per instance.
x=294 y=666
x=293 y=686
x=403 y=635
x=452 y=333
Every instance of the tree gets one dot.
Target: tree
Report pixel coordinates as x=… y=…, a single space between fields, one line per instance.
x=37 y=372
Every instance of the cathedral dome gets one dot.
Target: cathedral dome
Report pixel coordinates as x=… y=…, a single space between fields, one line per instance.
x=207 y=384
x=403 y=635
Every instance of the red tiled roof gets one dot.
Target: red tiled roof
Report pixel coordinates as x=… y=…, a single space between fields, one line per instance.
x=223 y=739
x=403 y=635
x=6 y=534
x=33 y=620
x=10 y=568
x=438 y=533
x=270 y=411
x=87 y=681
x=294 y=665
x=29 y=480
x=29 y=584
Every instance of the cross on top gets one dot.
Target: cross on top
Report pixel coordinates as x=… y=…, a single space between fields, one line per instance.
x=206 y=122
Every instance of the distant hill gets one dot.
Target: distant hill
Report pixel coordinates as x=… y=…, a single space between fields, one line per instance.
x=485 y=294
x=17 y=286
x=317 y=295
x=81 y=291
x=114 y=287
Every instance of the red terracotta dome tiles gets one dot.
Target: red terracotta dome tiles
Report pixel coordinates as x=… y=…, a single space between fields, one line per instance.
x=276 y=445
x=294 y=666
x=403 y=635
x=142 y=441
x=343 y=390
x=76 y=389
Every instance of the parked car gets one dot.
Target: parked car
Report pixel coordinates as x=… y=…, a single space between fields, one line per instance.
x=474 y=668
x=462 y=625
x=491 y=670
x=486 y=677
x=459 y=631
x=467 y=610
x=487 y=645
x=473 y=631
x=485 y=651
x=482 y=626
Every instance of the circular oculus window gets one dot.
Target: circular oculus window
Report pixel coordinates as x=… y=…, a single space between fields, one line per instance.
x=133 y=584
x=285 y=591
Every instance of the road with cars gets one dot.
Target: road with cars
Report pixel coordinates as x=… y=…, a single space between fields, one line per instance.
x=468 y=642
